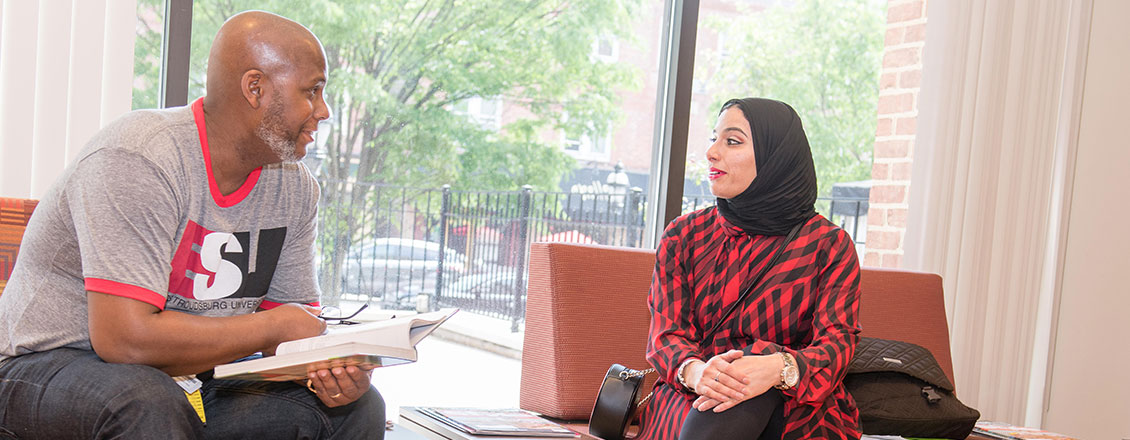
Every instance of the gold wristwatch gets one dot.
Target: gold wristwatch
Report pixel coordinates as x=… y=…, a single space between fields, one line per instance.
x=790 y=374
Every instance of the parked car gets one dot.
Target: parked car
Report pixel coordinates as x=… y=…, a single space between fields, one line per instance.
x=490 y=291
x=396 y=270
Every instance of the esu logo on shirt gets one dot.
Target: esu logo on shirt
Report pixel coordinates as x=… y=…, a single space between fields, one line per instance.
x=226 y=277
x=212 y=265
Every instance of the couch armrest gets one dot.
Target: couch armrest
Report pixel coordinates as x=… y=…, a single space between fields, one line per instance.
x=586 y=309
x=906 y=306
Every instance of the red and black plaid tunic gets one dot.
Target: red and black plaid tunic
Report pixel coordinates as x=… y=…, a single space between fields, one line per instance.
x=810 y=311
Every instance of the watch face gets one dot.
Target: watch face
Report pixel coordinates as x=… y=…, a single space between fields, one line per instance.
x=792 y=375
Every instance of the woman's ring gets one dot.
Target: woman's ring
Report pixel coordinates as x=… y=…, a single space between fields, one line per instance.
x=309 y=386
x=716 y=376
x=335 y=396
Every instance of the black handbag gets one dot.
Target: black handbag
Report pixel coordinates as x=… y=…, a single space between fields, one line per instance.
x=616 y=405
x=616 y=402
x=900 y=390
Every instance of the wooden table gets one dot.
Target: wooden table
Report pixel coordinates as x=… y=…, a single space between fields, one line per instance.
x=431 y=428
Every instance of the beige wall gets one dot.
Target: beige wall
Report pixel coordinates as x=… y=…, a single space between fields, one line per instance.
x=1089 y=388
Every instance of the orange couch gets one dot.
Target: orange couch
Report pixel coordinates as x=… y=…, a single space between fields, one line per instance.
x=14 y=215
x=587 y=309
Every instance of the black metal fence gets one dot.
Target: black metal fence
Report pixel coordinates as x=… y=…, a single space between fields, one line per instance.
x=849 y=213
x=381 y=244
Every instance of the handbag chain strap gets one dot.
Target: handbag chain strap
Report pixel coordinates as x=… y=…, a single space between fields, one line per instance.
x=629 y=373
x=756 y=281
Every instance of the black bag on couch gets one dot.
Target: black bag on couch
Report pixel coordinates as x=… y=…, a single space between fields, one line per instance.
x=900 y=390
x=618 y=402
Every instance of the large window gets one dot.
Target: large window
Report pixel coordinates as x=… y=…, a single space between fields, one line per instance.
x=463 y=132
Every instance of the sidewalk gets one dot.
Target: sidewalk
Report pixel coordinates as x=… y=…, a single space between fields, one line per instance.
x=484 y=333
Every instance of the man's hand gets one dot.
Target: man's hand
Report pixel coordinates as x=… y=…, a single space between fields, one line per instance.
x=294 y=321
x=340 y=385
x=741 y=379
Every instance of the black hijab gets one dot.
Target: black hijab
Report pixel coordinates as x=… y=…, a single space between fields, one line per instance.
x=784 y=191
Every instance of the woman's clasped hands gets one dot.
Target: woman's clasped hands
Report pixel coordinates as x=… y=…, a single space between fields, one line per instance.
x=731 y=378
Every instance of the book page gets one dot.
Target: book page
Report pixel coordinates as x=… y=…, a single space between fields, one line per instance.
x=404 y=332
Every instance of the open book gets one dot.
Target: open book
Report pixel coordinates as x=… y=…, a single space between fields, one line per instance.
x=368 y=346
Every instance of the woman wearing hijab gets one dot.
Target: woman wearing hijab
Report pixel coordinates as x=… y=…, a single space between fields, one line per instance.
x=774 y=367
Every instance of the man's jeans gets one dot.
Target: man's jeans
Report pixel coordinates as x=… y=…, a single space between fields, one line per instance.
x=71 y=393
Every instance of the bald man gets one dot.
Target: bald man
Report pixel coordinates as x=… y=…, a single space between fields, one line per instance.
x=142 y=267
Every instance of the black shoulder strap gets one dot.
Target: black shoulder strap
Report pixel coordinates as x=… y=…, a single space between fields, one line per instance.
x=752 y=286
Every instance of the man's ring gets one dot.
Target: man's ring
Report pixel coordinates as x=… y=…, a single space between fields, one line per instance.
x=335 y=396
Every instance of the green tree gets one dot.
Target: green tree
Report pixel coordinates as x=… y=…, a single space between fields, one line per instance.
x=396 y=70
x=823 y=58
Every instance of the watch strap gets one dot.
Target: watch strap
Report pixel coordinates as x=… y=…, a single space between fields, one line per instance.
x=680 y=374
x=790 y=364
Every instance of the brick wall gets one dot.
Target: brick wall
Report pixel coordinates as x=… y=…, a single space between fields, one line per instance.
x=894 y=137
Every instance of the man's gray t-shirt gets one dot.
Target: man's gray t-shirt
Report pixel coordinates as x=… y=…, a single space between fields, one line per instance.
x=139 y=215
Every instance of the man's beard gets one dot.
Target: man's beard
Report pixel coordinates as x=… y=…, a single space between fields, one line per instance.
x=272 y=131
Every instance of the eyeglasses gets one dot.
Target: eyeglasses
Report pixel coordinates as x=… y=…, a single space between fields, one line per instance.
x=342 y=320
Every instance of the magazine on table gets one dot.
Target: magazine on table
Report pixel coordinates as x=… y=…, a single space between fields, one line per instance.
x=367 y=346
x=507 y=422
x=1005 y=431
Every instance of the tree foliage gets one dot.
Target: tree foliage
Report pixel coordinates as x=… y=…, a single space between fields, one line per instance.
x=822 y=57
x=397 y=67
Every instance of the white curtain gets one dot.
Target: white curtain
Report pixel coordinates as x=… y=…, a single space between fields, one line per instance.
x=66 y=69
x=998 y=114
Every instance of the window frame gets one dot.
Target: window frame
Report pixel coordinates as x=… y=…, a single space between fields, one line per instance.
x=176 y=52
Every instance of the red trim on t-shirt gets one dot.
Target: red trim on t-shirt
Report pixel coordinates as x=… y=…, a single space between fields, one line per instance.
x=239 y=194
x=268 y=305
x=126 y=290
